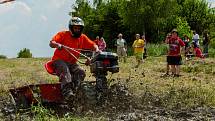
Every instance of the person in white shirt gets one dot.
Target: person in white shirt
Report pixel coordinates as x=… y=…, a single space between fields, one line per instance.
x=121 y=48
x=196 y=38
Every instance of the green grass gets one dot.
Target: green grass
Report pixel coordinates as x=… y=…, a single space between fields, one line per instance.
x=195 y=88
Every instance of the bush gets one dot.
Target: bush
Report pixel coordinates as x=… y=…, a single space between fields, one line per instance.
x=212 y=43
x=156 y=49
x=211 y=52
x=3 y=57
x=183 y=28
x=24 y=53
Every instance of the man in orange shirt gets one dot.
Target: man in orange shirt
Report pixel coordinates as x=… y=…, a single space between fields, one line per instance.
x=64 y=61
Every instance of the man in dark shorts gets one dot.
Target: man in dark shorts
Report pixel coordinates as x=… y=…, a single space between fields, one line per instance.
x=174 y=53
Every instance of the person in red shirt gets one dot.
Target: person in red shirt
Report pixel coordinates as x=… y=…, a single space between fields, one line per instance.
x=64 y=61
x=100 y=43
x=96 y=40
x=174 y=57
x=197 y=51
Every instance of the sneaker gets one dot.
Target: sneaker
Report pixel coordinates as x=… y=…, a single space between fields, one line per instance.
x=176 y=75
x=165 y=75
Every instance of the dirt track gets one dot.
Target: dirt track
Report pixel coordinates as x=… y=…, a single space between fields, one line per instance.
x=119 y=105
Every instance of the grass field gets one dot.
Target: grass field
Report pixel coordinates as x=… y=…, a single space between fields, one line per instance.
x=195 y=88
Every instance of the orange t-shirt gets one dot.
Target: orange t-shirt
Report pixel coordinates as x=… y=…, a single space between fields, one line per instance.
x=65 y=38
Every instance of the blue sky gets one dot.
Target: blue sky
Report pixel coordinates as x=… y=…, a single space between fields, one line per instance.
x=31 y=24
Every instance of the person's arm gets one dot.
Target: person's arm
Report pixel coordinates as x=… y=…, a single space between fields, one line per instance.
x=105 y=45
x=54 y=44
x=182 y=44
x=56 y=40
x=125 y=45
x=167 y=40
x=115 y=43
x=133 y=45
x=96 y=48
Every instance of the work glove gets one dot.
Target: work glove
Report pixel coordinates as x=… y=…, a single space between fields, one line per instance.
x=98 y=51
x=59 y=46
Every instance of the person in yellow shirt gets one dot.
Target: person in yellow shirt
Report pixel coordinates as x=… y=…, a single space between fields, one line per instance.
x=138 y=47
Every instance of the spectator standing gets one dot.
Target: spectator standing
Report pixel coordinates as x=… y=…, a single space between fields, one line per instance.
x=174 y=58
x=96 y=40
x=121 y=47
x=206 y=41
x=138 y=47
x=196 y=38
x=101 y=44
x=186 y=41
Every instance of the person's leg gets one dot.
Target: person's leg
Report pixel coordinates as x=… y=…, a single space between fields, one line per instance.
x=137 y=60
x=124 y=54
x=62 y=71
x=173 y=68
x=78 y=75
x=168 y=59
x=205 y=50
x=177 y=67
x=167 y=68
x=119 y=53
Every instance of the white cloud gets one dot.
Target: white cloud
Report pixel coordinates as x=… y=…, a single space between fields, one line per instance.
x=9 y=28
x=5 y=7
x=31 y=24
x=24 y=8
x=58 y=3
x=43 y=18
x=212 y=5
x=18 y=6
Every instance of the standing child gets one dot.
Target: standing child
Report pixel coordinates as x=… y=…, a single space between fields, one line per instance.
x=138 y=47
x=174 y=55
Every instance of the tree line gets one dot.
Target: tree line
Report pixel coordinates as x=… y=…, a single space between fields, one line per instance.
x=154 y=18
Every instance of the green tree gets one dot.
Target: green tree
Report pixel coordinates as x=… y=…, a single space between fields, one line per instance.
x=154 y=18
x=24 y=53
x=197 y=14
x=3 y=57
x=149 y=17
x=183 y=28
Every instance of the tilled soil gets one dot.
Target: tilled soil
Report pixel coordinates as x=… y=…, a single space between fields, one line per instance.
x=118 y=105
